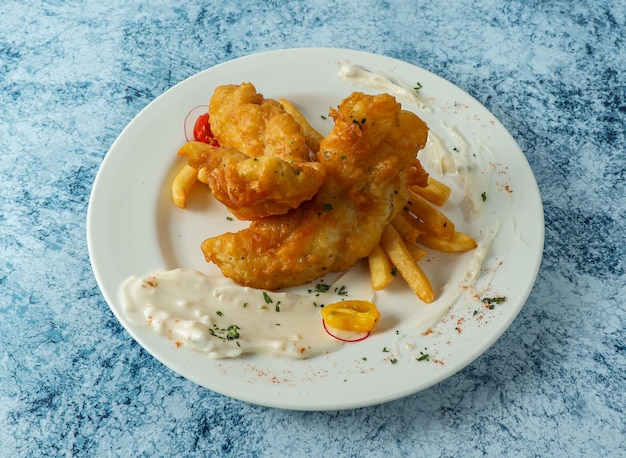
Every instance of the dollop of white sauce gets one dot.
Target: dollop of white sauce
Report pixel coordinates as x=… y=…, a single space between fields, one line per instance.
x=217 y=317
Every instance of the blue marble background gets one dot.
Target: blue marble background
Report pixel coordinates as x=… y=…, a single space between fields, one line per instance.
x=73 y=74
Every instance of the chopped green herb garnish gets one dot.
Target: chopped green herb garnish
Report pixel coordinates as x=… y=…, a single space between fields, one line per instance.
x=394 y=271
x=394 y=361
x=278 y=306
x=219 y=313
x=323 y=117
x=364 y=358
x=385 y=350
x=229 y=218
x=343 y=291
x=232 y=332
x=327 y=207
x=268 y=299
x=418 y=87
x=245 y=304
x=422 y=357
x=484 y=196
x=493 y=301
x=321 y=288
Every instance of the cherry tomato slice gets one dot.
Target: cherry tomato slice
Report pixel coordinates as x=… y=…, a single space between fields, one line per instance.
x=353 y=315
x=202 y=130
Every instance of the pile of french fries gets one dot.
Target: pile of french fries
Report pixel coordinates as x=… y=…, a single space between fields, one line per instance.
x=420 y=225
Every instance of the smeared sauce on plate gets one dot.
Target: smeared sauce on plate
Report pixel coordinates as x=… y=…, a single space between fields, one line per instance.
x=217 y=317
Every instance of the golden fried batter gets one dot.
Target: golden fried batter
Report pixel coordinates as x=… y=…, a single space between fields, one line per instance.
x=368 y=157
x=254 y=188
x=263 y=165
x=243 y=119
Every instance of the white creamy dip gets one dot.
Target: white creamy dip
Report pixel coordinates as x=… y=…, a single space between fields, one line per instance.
x=215 y=316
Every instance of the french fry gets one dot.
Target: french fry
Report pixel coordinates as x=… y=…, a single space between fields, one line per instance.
x=182 y=184
x=311 y=136
x=419 y=226
x=416 y=252
x=439 y=223
x=459 y=242
x=436 y=192
x=381 y=269
x=401 y=258
x=406 y=226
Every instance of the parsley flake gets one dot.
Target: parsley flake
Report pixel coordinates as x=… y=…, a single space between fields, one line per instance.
x=343 y=291
x=494 y=300
x=321 y=288
x=232 y=332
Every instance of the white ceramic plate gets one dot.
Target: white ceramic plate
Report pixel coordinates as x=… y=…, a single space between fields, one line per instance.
x=133 y=228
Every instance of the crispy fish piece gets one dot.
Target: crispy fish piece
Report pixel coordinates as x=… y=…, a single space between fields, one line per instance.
x=253 y=188
x=367 y=157
x=263 y=165
x=243 y=119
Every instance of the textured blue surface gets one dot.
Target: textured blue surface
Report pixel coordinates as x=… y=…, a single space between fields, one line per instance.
x=73 y=74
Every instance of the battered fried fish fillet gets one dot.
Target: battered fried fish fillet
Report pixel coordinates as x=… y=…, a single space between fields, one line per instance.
x=254 y=187
x=368 y=157
x=263 y=165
